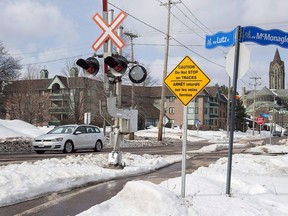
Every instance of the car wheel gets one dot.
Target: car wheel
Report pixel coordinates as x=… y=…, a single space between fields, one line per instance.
x=98 y=146
x=40 y=152
x=68 y=147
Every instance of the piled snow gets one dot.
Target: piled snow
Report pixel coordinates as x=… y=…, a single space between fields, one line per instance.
x=18 y=128
x=258 y=183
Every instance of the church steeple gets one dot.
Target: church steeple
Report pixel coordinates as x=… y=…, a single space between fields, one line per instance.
x=277 y=72
x=277 y=57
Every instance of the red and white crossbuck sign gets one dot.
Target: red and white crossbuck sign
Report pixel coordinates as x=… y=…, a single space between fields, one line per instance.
x=109 y=31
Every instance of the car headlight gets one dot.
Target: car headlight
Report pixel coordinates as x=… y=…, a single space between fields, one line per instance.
x=57 y=139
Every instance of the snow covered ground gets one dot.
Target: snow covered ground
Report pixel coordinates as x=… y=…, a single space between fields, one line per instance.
x=258 y=184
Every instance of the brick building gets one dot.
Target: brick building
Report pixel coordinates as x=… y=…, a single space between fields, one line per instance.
x=59 y=100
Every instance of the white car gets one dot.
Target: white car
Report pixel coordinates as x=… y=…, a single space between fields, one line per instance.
x=69 y=138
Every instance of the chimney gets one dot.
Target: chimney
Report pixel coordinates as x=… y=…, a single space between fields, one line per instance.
x=44 y=74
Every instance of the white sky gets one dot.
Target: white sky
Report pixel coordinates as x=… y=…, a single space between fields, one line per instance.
x=258 y=186
x=50 y=33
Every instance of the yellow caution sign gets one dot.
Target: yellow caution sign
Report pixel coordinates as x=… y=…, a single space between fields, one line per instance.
x=187 y=80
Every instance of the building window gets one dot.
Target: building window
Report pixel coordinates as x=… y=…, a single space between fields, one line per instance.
x=190 y=110
x=172 y=99
x=56 y=88
x=196 y=110
x=171 y=110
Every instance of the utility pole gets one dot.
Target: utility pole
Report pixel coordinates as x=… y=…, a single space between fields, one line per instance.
x=132 y=36
x=273 y=114
x=162 y=108
x=254 y=111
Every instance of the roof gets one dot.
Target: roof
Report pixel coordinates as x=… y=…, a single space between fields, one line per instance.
x=38 y=84
x=212 y=90
x=277 y=56
x=149 y=111
x=263 y=92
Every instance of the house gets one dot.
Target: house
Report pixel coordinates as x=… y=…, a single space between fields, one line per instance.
x=60 y=100
x=209 y=108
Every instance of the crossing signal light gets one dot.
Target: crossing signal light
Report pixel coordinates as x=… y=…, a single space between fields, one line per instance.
x=89 y=65
x=137 y=74
x=118 y=65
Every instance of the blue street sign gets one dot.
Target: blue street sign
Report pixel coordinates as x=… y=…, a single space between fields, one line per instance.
x=265 y=37
x=220 y=39
x=265 y=115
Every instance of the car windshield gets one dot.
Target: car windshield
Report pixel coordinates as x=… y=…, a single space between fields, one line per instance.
x=62 y=130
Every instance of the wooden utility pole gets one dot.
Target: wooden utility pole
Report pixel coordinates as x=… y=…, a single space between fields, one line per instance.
x=162 y=108
x=254 y=110
x=132 y=36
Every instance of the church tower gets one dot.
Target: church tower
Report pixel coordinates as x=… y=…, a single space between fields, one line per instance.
x=277 y=73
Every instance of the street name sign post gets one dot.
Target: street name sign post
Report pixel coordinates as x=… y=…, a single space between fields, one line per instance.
x=186 y=81
x=264 y=37
x=220 y=39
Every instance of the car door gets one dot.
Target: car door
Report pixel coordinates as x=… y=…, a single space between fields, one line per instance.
x=79 y=138
x=90 y=136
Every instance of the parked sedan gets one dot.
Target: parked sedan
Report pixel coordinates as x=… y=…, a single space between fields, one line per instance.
x=69 y=138
x=277 y=133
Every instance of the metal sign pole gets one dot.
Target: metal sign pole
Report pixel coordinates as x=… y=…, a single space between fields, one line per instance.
x=232 y=116
x=184 y=142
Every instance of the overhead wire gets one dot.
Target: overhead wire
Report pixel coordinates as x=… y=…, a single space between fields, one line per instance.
x=59 y=59
x=197 y=19
x=208 y=30
x=204 y=29
x=156 y=29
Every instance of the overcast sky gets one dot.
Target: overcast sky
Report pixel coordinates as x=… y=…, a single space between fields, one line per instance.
x=51 y=33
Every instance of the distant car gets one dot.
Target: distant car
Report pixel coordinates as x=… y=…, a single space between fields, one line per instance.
x=69 y=138
x=277 y=133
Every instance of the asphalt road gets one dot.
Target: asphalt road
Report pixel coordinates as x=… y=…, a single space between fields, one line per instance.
x=80 y=199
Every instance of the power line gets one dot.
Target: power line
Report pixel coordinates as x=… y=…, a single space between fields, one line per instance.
x=170 y=37
x=181 y=44
x=50 y=51
x=197 y=19
x=59 y=59
x=186 y=25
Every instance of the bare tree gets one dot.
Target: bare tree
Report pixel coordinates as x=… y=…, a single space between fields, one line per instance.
x=32 y=72
x=9 y=70
x=28 y=99
x=79 y=92
x=9 y=66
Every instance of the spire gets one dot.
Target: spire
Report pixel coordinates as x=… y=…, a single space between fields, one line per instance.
x=277 y=56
